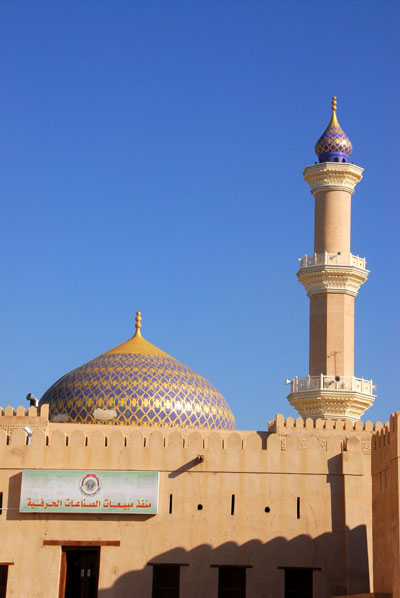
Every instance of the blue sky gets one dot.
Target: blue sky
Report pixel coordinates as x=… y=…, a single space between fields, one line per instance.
x=151 y=159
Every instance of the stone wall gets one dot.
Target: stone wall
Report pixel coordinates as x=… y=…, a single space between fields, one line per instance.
x=386 y=508
x=301 y=494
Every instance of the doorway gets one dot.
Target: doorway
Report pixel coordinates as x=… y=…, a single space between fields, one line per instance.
x=79 y=572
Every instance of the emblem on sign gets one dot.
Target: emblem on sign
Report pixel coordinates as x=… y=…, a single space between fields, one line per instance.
x=90 y=484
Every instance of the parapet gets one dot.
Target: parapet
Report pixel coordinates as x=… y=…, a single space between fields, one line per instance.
x=290 y=449
x=12 y=419
x=386 y=444
x=295 y=445
x=280 y=425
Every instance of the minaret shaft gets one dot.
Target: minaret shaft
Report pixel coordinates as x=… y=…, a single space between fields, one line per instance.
x=332 y=314
x=331 y=334
x=332 y=221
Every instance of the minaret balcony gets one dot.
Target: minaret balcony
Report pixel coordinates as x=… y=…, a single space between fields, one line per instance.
x=333 y=259
x=323 y=382
x=337 y=397
x=332 y=273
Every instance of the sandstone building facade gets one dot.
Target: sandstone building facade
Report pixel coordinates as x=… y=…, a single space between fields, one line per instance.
x=129 y=480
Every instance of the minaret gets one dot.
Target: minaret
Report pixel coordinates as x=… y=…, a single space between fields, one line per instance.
x=332 y=277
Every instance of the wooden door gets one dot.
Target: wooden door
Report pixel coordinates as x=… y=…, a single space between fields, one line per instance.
x=79 y=572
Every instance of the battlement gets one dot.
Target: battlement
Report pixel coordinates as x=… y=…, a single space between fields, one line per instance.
x=280 y=425
x=13 y=419
x=386 y=444
x=72 y=446
x=304 y=445
x=20 y=411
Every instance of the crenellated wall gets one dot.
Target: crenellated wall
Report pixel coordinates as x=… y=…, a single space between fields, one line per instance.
x=13 y=419
x=280 y=424
x=289 y=446
x=385 y=463
x=301 y=493
x=297 y=448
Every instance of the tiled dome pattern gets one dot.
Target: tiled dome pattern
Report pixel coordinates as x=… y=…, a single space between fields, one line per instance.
x=334 y=142
x=144 y=386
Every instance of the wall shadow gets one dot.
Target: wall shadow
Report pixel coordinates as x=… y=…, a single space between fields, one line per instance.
x=354 y=543
x=185 y=467
x=265 y=564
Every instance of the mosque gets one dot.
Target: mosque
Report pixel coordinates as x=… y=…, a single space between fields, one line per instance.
x=129 y=480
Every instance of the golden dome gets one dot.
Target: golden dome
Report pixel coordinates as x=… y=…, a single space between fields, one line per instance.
x=137 y=384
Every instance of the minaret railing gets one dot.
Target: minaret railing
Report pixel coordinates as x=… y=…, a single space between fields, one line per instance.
x=333 y=259
x=322 y=382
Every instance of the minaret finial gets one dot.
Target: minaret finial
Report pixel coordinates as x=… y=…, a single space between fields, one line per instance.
x=333 y=145
x=138 y=323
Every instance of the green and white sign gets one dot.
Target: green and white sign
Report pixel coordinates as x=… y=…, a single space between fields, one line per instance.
x=91 y=491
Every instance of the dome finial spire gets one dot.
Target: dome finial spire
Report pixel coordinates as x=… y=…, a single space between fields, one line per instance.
x=333 y=145
x=138 y=323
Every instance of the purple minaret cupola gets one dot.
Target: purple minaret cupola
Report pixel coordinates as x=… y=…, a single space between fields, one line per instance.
x=333 y=145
